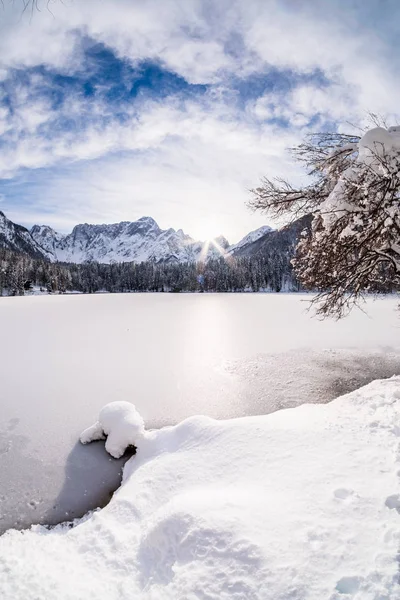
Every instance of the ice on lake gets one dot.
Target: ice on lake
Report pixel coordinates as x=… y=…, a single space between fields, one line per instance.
x=223 y=355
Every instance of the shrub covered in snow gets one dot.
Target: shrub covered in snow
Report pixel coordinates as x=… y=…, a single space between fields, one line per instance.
x=121 y=423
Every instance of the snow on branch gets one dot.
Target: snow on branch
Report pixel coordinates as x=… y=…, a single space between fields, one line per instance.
x=354 y=243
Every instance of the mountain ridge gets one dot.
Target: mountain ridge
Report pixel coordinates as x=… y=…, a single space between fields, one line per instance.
x=17 y=238
x=127 y=241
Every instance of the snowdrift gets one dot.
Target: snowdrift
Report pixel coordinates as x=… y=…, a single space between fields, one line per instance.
x=301 y=504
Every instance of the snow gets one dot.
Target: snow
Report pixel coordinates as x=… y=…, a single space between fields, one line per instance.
x=378 y=151
x=173 y=356
x=377 y=143
x=121 y=423
x=16 y=237
x=47 y=238
x=136 y=241
x=337 y=204
x=251 y=237
x=300 y=504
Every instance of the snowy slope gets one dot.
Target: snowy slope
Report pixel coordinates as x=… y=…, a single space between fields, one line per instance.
x=15 y=237
x=251 y=237
x=47 y=238
x=275 y=242
x=300 y=504
x=136 y=241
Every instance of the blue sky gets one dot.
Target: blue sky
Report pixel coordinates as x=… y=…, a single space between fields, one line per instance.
x=174 y=109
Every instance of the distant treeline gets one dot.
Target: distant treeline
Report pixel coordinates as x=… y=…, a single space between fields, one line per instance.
x=19 y=274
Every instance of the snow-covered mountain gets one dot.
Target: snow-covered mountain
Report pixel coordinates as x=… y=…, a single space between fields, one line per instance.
x=17 y=238
x=137 y=241
x=47 y=238
x=281 y=242
x=141 y=240
x=251 y=237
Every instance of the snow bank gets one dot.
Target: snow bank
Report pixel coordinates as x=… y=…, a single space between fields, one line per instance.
x=301 y=504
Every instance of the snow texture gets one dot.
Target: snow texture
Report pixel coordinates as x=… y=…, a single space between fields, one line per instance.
x=121 y=423
x=300 y=504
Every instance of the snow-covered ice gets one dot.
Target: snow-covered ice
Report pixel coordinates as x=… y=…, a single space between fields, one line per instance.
x=302 y=504
x=121 y=423
x=173 y=356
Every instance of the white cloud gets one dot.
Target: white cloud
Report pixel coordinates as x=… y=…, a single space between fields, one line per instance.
x=180 y=167
x=308 y=102
x=194 y=37
x=184 y=158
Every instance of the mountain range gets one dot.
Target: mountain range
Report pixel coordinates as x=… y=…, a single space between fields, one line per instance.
x=17 y=238
x=138 y=241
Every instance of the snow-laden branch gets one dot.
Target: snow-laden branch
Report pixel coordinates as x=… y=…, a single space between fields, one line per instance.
x=354 y=242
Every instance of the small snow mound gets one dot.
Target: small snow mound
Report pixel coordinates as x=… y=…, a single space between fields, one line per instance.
x=121 y=423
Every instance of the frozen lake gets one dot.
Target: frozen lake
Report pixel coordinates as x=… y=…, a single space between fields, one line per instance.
x=224 y=355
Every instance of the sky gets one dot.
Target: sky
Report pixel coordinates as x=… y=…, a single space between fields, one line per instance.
x=175 y=109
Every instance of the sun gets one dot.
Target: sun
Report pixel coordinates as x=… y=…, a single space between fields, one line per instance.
x=212 y=246
x=209 y=228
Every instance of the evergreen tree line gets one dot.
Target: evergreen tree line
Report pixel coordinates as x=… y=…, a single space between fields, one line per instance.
x=19 y=274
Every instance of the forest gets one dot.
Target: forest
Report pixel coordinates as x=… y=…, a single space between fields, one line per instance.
x=21 y=274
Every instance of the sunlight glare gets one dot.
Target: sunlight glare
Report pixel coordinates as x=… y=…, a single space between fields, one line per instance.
x=209 y=228
x=209 y=247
